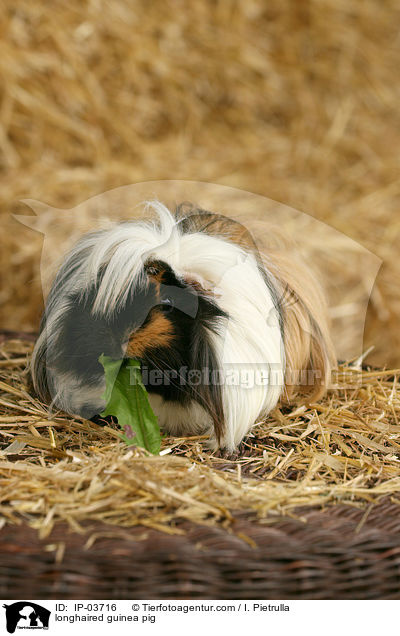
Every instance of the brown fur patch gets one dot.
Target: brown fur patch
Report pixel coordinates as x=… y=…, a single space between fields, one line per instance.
x=197 y=220
x=158 y=332
x=309 y=350
x=198 y=286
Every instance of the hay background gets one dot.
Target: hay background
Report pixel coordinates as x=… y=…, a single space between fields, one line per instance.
x=293 y=99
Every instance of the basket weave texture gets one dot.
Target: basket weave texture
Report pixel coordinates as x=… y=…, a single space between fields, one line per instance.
x=339 y=553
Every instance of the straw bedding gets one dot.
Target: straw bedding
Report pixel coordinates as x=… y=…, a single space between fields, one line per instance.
x=297 y=101
x=344 y=449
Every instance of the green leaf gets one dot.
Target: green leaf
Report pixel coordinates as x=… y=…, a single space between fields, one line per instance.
x=126 y=398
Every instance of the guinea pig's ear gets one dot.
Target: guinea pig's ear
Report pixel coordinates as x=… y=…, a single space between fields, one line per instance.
x=309 y=351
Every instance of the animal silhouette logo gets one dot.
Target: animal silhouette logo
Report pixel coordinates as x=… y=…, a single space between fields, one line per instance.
x=26 y=615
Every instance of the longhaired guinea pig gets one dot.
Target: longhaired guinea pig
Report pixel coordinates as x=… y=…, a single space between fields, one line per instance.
x=221 y=332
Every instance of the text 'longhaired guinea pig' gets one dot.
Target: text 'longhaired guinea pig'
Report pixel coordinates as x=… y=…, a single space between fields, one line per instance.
x=221 y=332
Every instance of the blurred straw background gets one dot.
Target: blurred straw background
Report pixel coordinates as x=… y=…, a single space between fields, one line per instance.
x=296 y=100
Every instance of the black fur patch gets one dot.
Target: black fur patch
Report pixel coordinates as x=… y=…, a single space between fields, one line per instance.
x=184 y=372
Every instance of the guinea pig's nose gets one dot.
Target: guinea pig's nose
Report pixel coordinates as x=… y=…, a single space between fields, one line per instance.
x=173 y=297
x=90 y=410
x=167 y=304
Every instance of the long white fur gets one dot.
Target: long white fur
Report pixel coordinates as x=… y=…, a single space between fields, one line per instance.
x=250 y=340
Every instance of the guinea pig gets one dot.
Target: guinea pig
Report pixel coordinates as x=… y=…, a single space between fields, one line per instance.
x=222 y=332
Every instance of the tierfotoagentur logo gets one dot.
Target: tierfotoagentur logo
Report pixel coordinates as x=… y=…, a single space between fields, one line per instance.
x=26 y=615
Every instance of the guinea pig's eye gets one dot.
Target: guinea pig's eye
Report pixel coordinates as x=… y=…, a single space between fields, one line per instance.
x=167 y=303
x=152 y=270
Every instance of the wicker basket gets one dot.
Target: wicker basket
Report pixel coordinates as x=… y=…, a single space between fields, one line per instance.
x=339 y=553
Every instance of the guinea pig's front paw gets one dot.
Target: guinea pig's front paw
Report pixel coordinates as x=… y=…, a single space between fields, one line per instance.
x=221 y=449
x=226 y=453
x=211 y=443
